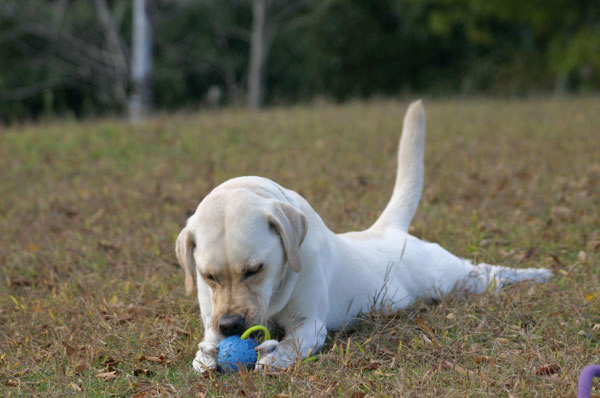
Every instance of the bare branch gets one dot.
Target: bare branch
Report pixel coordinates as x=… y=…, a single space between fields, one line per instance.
x=288 y=10
x=117 y=48
x=112 y=36
x=302 y=12
x=74 y=44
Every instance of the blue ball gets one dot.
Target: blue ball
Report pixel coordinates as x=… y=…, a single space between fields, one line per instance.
x=234 y=351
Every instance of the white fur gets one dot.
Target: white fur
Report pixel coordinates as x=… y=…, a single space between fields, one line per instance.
x=341 y=275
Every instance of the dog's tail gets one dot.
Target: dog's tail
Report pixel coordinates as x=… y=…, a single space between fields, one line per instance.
x=409 y=181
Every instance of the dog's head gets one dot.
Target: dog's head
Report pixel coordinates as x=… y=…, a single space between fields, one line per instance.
x=241 y=244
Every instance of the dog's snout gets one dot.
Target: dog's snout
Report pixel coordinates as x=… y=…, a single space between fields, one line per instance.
x=232 y=324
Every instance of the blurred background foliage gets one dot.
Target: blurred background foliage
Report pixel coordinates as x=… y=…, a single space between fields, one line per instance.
x=72 y=57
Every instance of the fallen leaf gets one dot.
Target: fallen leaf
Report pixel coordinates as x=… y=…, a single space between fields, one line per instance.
x=124 y=318
x=548 y=370
x=373 y=364
x=144 y=394
x=12 y=382
x=33 y=247
x=530 y=253
x=157 y=359
x=82 y=367
x=426 y=339
x=180 y=330
x=106 y=376
x=561 y=213
x=430 y=338
x=75 y=387
x=331 y=387
x=482 y=359
x=20 y=282
x=581 y=256
x=71 y=351
x=447 y=364
x=106 y=245
x=450 y=316
x=387 y=352
x=143 y=372
x=424 y=326
x=71 y=212
x=591 y=297
x=151 y=358
x=97 y=215
x=556 y=259
x=110 y=362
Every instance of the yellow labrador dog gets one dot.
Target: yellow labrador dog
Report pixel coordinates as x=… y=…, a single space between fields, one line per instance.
x=261 y=253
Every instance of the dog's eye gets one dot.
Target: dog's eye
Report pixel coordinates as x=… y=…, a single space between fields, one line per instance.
x=210 y=277
x=251 y=272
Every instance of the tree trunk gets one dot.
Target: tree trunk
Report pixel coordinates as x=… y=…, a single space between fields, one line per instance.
x=140 y=102
x=259 y=49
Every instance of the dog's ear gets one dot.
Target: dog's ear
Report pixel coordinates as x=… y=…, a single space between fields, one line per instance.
x=290 y=224
x=184 y=249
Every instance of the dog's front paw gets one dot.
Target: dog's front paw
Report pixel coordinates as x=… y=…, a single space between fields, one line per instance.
x=206 y=357
x=274 y=355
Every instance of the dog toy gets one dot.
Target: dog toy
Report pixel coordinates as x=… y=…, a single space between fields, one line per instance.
x=237 y=350
x=584 y=386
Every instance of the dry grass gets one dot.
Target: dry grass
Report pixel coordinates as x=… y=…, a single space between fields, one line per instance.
x=92 y=299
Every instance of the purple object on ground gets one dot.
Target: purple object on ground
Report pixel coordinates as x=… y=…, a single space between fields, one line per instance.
x=584 y=387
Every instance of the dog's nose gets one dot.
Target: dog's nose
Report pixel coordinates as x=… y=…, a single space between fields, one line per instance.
x=232 y=324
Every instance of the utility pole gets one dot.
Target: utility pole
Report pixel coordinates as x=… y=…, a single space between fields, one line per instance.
x=140 y=101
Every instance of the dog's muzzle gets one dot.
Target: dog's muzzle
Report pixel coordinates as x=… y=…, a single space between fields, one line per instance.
x=232 y=324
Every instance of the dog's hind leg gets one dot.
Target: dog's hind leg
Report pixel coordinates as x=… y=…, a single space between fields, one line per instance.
x=409 y=179
x=430 y=271
x=484 y=277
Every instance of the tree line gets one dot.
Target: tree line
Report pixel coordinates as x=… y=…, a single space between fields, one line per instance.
x=80 y=57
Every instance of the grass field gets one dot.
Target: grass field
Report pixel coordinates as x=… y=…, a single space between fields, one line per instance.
x=92 y=299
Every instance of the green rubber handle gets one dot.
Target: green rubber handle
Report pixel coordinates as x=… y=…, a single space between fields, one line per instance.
x=253 y=329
